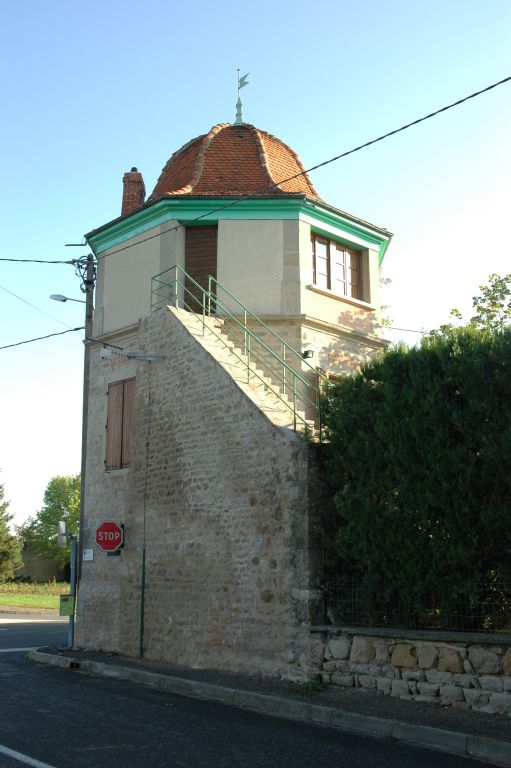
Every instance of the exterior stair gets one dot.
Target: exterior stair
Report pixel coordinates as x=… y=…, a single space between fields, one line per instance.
x=250 y=378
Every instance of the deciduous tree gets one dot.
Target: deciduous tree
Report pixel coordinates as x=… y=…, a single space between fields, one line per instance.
x=10 y=547
x=61 y=502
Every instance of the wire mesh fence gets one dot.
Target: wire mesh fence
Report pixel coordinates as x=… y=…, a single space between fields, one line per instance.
x=470 y=608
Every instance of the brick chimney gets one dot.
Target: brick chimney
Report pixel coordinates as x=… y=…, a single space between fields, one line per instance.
x=133 y=191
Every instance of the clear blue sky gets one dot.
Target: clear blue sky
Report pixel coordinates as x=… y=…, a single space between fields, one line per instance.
x=91 y=89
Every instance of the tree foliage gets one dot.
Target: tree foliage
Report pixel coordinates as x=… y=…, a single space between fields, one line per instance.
x=10 y=558
x=492 y=306
x=61 y=502
x=419 y=466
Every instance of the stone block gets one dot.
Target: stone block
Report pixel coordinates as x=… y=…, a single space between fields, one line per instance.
x=466 y=681
x=413 y=674
x=404 y=655
x=490 y=683
x=367 y=682
x=488 y=709
x=383 y=684
x=484 y=660
x=317 y=650
x=428 y=689
x=339 y=648
x=506 y=662
x=393 y=672
x=362 y=650
x=467 y=666
x=363 y=669
x=449 y=661
x=346 y=681
x=427 y=655
x=451 y=693
x=382 y=654
x=475 y=696
x=434 y=676
x=502 y=701
x=400 y=688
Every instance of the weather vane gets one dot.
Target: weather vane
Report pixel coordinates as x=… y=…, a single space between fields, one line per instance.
x=242 y=82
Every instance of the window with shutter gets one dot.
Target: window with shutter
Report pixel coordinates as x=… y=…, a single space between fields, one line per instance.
x=119 y=424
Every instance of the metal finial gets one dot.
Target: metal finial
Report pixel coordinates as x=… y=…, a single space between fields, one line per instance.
x=242 y=82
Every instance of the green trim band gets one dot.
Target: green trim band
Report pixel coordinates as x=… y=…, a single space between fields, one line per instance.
x=210 y=211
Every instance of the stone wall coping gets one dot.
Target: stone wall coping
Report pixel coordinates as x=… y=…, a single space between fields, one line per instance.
x=430 y=635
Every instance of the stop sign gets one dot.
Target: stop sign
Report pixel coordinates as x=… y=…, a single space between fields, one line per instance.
x=109 y=536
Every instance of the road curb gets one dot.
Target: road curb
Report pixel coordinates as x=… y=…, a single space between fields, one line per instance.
x=14 y=610
x=492 y=751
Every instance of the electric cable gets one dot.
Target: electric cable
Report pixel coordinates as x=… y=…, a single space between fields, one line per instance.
x=314 y=167
x=40 y=261
x=34 y=306
x=39 y=338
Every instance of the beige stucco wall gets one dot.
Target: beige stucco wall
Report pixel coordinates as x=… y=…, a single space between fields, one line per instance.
x=266 y=264
x=250 y=263
x=123 y=293
x=221 y=499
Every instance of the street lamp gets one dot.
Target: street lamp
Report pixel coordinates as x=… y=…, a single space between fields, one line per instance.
x=60 y=297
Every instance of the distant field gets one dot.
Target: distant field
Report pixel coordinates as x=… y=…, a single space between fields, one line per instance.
x=32 y=595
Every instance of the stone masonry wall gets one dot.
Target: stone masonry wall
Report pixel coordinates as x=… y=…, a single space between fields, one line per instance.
x=217 y=498
x=464 y=674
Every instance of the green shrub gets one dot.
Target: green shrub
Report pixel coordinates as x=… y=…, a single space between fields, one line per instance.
x=418 y=467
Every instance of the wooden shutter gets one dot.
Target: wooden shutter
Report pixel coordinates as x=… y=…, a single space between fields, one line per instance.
x=119 y=424
x=114 y=425
x=128 y=412
x=200 y=261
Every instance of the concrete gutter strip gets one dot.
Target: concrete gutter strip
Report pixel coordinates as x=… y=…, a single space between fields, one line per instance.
x=489 y=750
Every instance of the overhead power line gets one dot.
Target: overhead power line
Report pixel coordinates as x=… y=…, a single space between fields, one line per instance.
x=41 y=261
x=34 y=306
x=315 y=167
x=39 y=338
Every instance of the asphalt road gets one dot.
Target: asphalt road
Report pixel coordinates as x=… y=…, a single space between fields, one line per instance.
x=31 y=632
x=65 y=719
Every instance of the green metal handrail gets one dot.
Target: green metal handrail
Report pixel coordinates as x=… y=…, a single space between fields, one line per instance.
x=165 y=291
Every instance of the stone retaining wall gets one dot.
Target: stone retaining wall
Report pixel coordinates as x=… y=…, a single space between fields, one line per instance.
x=463 y=674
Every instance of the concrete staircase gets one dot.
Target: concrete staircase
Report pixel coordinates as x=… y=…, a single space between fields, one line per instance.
x=265 y=394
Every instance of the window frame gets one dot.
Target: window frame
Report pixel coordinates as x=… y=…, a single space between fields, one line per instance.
x=352 y=290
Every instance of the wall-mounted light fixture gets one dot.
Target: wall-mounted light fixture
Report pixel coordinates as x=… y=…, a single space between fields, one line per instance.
x=307 y=354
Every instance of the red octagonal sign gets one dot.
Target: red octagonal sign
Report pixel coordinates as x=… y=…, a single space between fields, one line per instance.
x=109 y=536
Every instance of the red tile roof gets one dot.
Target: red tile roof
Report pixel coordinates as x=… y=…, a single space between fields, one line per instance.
x=234 y=160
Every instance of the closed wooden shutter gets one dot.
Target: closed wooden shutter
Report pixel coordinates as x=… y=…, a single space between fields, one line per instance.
x=119 y=424
x=200 y=261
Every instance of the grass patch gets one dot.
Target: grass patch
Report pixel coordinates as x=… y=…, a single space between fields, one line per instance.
x=24 y=595
x=314 y=685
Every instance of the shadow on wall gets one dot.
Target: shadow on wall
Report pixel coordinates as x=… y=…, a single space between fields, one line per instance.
x=345 y=354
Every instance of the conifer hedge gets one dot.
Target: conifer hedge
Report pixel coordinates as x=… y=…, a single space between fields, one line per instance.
x=418 y=470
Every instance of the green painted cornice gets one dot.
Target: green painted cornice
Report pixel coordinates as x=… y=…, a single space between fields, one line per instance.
x=206 y=210
x=349 y=225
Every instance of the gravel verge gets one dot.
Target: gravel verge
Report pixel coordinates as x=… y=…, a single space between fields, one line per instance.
x=354 y=700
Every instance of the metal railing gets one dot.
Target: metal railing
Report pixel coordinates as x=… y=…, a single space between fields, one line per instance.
x=270 y=361
x=476 y=607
